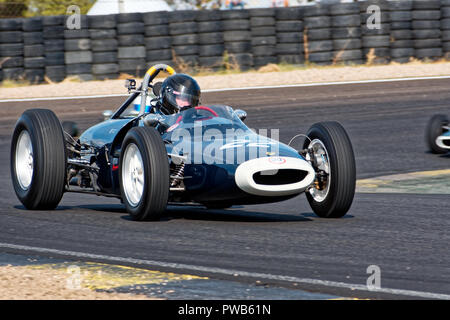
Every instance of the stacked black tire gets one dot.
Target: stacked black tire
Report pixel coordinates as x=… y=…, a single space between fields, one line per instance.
x=78 y=54
x=445 y=28
x=102 y=32
x=402 y=44
x=184 y=37
x=317 y=27
x=11 y=49
x=34 y=56
x=53 y=32
x=237 y=38
x=346 y=26
x=262 y=23
x=156 y=38
x=289 y=35
x=210 y=39
x=376 y=39
x=427 y=29
x=131 y=51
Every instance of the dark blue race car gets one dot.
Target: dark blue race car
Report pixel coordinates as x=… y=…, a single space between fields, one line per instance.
x=204 y=155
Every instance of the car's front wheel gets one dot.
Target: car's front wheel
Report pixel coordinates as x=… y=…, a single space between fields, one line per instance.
x=434 y=130
x=144 y=174
x=38 y=159
x=331 y=154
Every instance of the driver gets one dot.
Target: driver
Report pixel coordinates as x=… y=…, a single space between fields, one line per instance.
x=178 y=93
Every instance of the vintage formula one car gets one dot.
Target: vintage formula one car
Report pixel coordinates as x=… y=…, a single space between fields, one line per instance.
x=204 y=155
x=438 y=134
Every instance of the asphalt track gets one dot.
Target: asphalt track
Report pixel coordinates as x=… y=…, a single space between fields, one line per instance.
x=406 y=235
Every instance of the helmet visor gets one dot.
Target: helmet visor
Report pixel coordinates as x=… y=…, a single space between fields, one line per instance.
x=182 y=98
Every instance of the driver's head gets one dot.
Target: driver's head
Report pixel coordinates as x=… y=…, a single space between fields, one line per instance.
x=179 y=92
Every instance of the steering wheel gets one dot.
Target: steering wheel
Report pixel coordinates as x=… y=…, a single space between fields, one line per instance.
x=190 y=115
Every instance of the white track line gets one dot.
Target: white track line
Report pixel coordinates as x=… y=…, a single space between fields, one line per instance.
x=227 y=272
x=243 y=88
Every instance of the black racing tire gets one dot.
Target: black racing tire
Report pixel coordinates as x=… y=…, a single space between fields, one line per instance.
x=130 y=28
x=291 y=58
x=12 y=62
x=11 y=36
x=235 y=14
x=155 y=193
x=317 y=10
x=288 y=13
x=346 y=44
x=231 y=36
x=209 y=26
x=426 y=14
x=434 y=130
x=236 y=25
x=54 y=45
x=319 y=34
x=402 y=52
x=14 y=24
x=261 y=21
x=320 y=46
x=431 y=53
x=155 y=18
x=289 y=37
x=77 y=44
x=30 y=38
x=427 y=43
x=344 y=9
x=397 y=16
x=426 y=24
x=104 y=57
x=217 y=205
x=445 y=24
x=344 y=33
x=53 y=32
x=34 y=63
x=238 y=47
x=317 y=22
x=263 y=51
x=165 y=54
x=426 y=4
x=264 y=41
x=339 y=198
x=403 y=5
x=263 y=31
x=49 y=159
x=262 y=12
x=185 y=50
x=320 y=57
x=402 y=44
x=185 y=39
x=289 y=48
x=289 y=26
x=182 y=28
x=211 y=50
x=129 y=17
x=155 y=43
x=210 y=38
x=36 y=50
x=401 y=35
x=156 y=31
x=102 y=21
x=99 y=34
x=353 y=20
x=71 y=128
x=401 y=25
x=376 y=41
x=130 y=40
x=208 y=15
x=102 y=45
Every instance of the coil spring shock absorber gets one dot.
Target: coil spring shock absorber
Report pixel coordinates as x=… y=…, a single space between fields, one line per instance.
x=178 y=174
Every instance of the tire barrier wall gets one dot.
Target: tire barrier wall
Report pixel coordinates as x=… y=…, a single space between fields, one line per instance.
x=44 y=48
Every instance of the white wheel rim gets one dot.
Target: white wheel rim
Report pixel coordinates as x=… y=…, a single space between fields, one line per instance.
x=24 y=160
x=133 y=175
x=323 y=160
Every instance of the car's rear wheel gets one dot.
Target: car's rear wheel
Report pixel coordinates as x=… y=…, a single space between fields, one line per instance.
x=434 y=130
x=38 y=159
x=334 y=162
x=144 y=174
